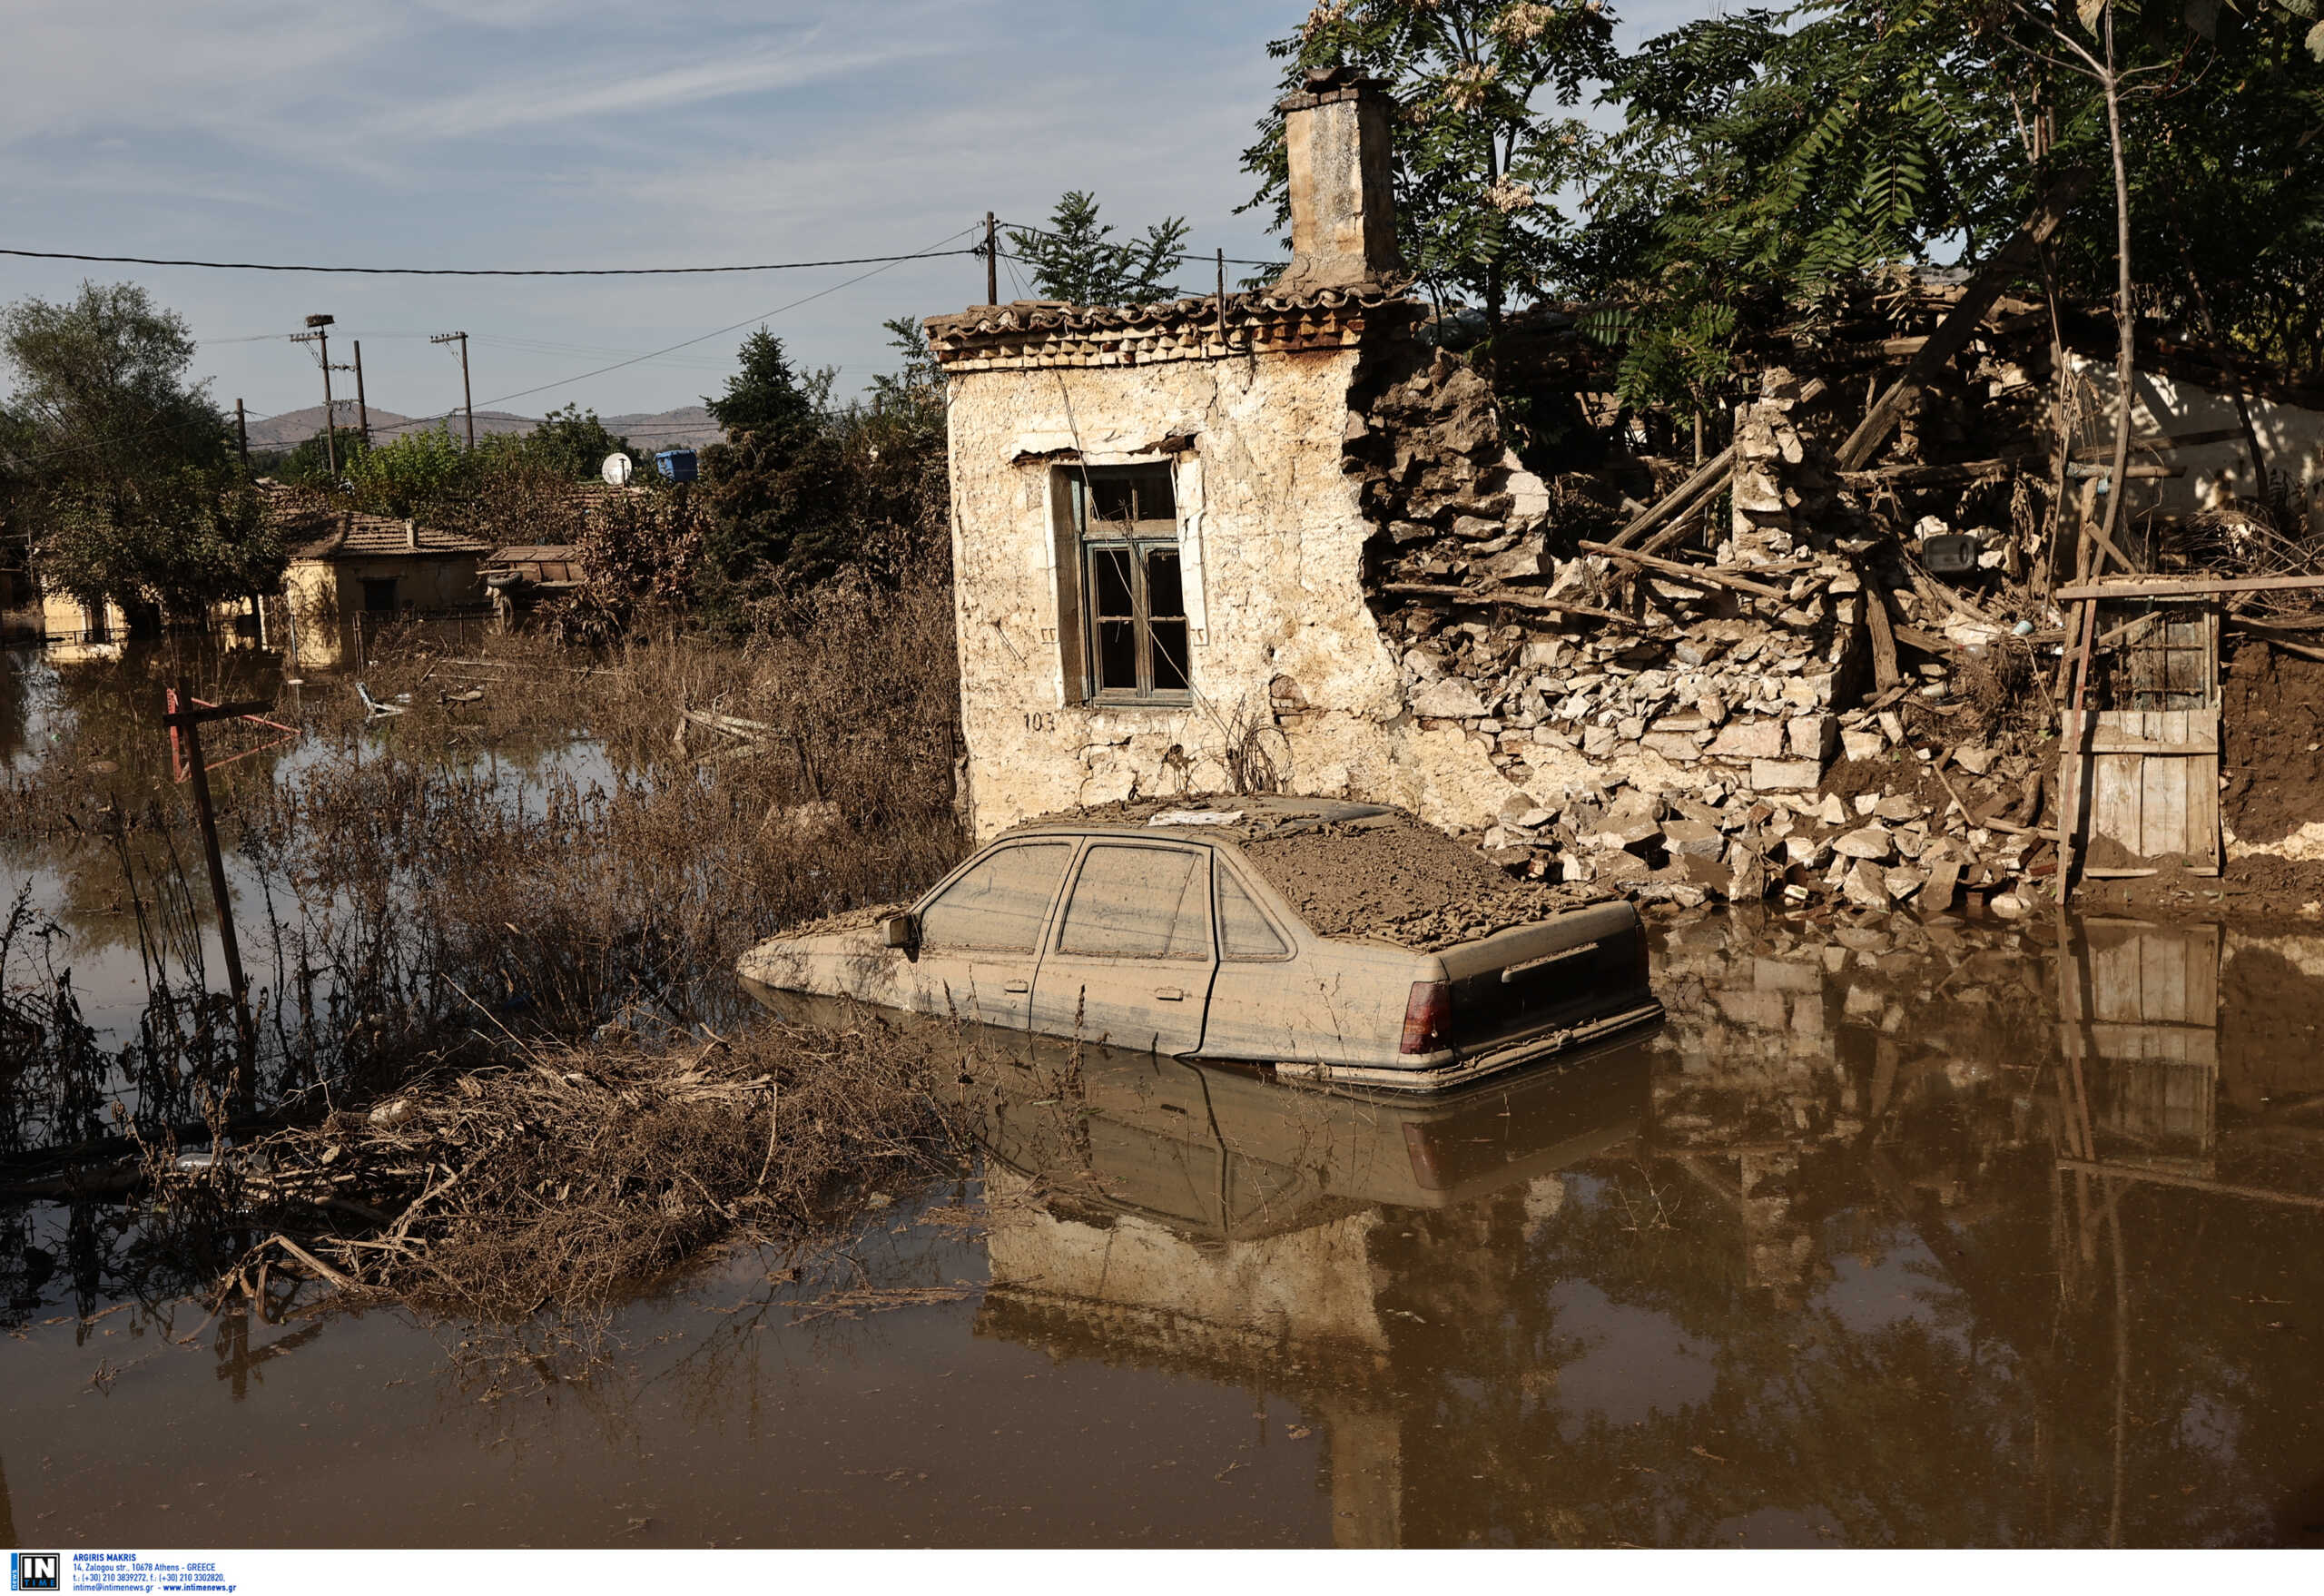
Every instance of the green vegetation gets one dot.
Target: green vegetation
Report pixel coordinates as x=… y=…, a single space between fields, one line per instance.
x=1479 y=161
x=801 y=491
x=1074 y=259
x=1771 y=158
x=1769 y=164
x=117 y=478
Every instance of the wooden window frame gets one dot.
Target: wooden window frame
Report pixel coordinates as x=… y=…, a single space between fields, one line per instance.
x=1137 y=537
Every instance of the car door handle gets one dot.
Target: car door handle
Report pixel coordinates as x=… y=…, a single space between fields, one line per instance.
x=1170 y=994
x=1017 y=986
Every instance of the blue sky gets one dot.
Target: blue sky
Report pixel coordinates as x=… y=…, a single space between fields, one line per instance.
x=522 y=132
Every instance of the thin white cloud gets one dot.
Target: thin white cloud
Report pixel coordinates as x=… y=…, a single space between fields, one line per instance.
x=619 y=88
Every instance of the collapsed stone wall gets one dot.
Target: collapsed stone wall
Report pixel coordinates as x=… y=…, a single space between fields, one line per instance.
x=1673 y=736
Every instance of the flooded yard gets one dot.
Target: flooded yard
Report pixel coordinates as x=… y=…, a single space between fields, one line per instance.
x=1962 y=1232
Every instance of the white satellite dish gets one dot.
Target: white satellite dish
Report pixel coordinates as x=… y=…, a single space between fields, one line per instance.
x=616 y=469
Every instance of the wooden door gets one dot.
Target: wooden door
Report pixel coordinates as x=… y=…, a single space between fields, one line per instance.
x=2151 y=760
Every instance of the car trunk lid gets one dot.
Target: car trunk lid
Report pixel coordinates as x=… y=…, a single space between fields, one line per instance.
x=1580 y=966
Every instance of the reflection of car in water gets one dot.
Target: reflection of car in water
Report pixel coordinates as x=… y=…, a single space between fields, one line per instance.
x=1229 y=1153
x=1344 y=942
x=1208 y=1220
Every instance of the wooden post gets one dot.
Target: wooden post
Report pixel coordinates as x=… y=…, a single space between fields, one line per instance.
x=330 y=415
x=243 y=434
x=184 y=717
x=362 y=408
x=468 y=394
x=992 y=261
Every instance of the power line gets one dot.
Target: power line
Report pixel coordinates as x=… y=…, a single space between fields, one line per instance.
x=477 y=271
x=934 y=251
x=1178 y=260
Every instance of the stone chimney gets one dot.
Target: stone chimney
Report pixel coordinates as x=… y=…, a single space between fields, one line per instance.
x=1335 y=134
x=411 y=534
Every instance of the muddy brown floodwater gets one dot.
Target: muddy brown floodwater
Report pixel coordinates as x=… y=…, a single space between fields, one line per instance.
x=1893 y=1236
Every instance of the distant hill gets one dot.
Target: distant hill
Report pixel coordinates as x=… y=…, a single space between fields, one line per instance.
x=687 y=427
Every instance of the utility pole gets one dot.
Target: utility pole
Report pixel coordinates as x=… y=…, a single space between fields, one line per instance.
x=362 y=409
x=991 y=262
x=320 y=335
x=468 y=395
x=243 y=434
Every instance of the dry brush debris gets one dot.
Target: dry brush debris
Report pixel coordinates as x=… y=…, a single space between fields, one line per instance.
x=565 y=1175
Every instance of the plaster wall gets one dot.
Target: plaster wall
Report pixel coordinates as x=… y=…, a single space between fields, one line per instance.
x=1272 y=536
x=325 y=596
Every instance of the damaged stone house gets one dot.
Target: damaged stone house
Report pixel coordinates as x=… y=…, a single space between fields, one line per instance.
x=1274 y=540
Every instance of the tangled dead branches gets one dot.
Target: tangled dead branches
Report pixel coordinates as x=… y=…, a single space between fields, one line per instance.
x=565 y=1176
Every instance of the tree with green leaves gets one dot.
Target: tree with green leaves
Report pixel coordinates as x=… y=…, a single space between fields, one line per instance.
x=767 y=397
x=1075 y=258
x=1479 y=163
x=1769 y=161
x=116 y=467
x=573 y=443
x=763 y=484
x=862 y=488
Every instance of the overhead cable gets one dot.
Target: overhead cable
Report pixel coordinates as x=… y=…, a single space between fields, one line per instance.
x=934 y=251
x=480 y=271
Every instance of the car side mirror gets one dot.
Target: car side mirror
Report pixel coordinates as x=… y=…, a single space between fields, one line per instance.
x=901 y=930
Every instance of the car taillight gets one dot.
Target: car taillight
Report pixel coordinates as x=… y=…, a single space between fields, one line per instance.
x=1428 y=1017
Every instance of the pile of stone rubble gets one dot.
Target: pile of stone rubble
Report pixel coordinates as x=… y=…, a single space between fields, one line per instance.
x=1679 y=732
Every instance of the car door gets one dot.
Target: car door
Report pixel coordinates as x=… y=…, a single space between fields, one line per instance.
x=1259 y=998
x=1129 y=958
x=980 y=933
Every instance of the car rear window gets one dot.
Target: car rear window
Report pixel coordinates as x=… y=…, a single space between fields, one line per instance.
x=1137 y=902
x=1000 y=902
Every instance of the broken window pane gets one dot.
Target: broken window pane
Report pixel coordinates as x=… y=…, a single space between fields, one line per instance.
x=1000 y=903
x=1157 y=502
x=1112 y=499
x=1166 y=607
x=1170 y=657
x=1115 y=610
x=1166 y=597
x=1110 y=578
x=1117 y=656
x=1140 y=903
x=1120 y=496
x=1243 y=932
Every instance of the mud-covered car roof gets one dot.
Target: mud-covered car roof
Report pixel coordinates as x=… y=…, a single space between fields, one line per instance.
x=1351 y=869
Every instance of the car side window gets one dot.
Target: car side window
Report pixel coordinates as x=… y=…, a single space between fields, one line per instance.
x=1000 y=902
x=1243 y=932
x=1138 y=902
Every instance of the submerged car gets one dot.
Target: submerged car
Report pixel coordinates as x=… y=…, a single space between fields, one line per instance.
x=1338 y=941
